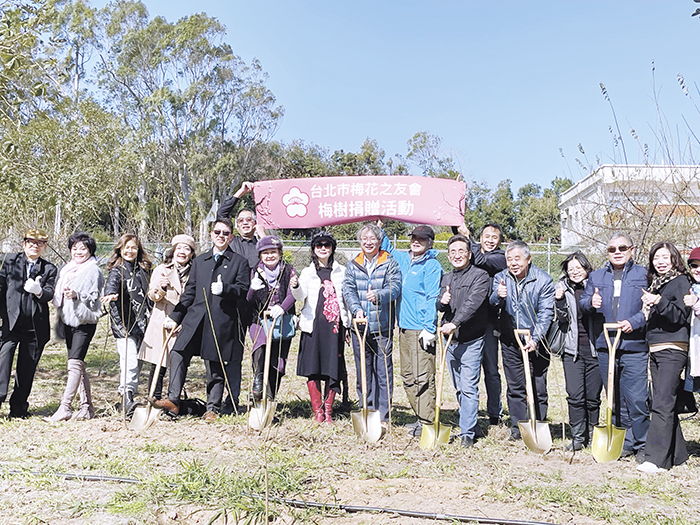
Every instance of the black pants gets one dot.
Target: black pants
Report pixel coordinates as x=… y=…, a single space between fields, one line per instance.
x=665 y=445
x=516 y=393
x=583 y=386
x=180 y=362
x=27 y=361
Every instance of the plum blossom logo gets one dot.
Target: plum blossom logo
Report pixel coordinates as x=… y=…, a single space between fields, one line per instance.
x=296 y=202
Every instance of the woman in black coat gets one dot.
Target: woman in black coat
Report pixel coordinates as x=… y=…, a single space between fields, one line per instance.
x=668 y=327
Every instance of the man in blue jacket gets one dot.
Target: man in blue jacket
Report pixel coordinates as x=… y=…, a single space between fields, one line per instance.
x=525 y=295
x=614 y=294
x=371 y=287
x=417 y=317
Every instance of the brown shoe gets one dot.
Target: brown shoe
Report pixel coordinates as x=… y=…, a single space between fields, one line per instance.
x=209 y=416
x=165 y=404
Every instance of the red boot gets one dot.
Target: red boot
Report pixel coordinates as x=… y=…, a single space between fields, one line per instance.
x=328 y=404
x=315 y=395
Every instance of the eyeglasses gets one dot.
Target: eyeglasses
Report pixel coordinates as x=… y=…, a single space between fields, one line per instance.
x=622 y=248
x=35 y=242
x=694 y=265
x=245 y=219
x=324 y=245
x=456 y=253
x=225 y=233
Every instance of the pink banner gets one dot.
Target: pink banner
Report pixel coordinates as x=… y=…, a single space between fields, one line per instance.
x=318 y=202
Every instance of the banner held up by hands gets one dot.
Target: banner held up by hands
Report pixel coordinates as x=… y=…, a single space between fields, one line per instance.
x=323 y=201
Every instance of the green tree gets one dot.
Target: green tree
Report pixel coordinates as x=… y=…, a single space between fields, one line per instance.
x=182 y=90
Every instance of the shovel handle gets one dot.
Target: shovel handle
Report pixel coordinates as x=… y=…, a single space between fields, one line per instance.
x=612 y=347
x=526 y=368
x=607 y=328
x=156 y=373
x=361 y=338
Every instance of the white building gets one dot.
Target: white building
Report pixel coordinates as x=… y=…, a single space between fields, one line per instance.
x=649 y=202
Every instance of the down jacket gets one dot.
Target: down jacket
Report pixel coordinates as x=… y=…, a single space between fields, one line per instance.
x=308 y=290
x=385 y=281
x=528 y=306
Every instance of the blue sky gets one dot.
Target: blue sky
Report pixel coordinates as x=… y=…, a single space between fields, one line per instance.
x=504 y=84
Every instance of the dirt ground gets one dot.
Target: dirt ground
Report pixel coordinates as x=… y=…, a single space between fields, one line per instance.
x=496 y=479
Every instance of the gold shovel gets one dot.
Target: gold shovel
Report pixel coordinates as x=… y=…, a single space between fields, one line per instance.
x=535 y=434
x=263 y=412
x=435 y=434
x=608 y=439
x=366 y=423
x=145 y=416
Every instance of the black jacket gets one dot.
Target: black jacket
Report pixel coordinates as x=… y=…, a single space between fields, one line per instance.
x=130 y=312
x=669 y=320
x=191 y=311
x=468 y=306
x=13 y=275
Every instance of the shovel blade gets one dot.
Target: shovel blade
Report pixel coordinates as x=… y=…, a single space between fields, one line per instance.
x=433 y=435
x=607 y=443
x=367 y=424
x=262 y=414
x=139 y=421
x=536 y=435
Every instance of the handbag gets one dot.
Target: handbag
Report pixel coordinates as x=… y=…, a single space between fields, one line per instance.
x=555 y=338
x=284 y=327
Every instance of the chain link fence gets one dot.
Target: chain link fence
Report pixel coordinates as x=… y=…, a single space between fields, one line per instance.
x=547 y=256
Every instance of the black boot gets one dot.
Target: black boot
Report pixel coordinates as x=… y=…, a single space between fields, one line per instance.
x=274 y=384
x=130 y=405
x=158 y=391
x=593 y=420
x=578 y=436
x=257 y=387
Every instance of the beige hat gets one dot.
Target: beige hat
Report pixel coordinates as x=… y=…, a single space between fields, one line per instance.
x=184 y=239
x=36 y=234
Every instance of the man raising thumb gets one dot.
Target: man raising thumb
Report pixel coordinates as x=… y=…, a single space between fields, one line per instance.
x=33 y=286
x=217 y=287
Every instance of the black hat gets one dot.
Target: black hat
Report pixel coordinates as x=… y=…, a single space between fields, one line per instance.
x=322 y=236
x=424 y=232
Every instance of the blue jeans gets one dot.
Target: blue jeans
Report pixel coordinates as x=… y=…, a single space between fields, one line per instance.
x=380 y=372
x=492 y=376
x=631 y=410
x=464 y=362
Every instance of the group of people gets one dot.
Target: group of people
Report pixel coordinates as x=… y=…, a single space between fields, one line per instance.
x=206 y=305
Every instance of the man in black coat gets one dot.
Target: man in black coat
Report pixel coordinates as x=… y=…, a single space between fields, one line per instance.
x=26 y=288
x=218 y=278
x=463 y=300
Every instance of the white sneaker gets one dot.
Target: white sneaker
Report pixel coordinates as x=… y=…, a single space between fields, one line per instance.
x=649 y=468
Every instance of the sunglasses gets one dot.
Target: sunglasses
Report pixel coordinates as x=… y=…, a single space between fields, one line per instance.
x=622 y=248
x=225 y=233
x=694 y=265
x=324 y=245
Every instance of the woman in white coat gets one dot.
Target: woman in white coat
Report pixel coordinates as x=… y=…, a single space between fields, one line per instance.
x=323 y=321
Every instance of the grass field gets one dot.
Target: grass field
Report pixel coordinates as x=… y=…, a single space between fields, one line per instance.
x=189 y=471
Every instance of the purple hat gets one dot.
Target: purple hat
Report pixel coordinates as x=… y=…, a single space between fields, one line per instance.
x=268 y=242
x=694 y=254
